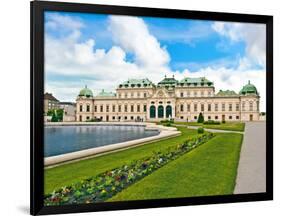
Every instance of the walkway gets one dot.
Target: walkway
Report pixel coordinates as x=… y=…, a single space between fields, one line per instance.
x=215 y=130
x=251 y=177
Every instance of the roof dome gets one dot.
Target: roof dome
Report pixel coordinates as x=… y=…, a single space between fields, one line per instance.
x=168 y=82
x=86 y=92
x=248 y=89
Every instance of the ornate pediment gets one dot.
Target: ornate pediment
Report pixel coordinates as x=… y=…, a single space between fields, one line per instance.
x=161 y=93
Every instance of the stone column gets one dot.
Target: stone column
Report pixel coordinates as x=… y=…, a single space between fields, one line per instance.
x=156 y=112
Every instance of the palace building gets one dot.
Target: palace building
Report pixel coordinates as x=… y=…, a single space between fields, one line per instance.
x=142 y=100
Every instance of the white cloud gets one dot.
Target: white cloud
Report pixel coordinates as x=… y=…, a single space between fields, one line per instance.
x=70 y=56
x=254 y=35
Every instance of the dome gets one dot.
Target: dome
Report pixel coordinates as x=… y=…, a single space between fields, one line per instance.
x=248 y=89
x=86 y=92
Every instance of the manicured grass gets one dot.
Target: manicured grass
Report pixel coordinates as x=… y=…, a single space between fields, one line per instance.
x=210 y=169
x=67 y=174
x=233 y=126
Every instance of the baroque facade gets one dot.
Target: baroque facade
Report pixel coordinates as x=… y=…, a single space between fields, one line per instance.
x=142 y=100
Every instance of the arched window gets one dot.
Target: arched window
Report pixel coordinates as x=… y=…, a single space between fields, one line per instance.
x=160 y=111
x=152 y=111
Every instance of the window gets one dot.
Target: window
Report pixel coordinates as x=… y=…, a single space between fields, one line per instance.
x=88 y=117
x=132 y=117
x=80 y=118
x=230 y=107
x=243 y=106
x=144 y=107
x=237 y=106
x=113 y=108
x=88 y=108
x=113 y=117
x=258 y=106
x=181 y=107
x=138 y=94
x=202 y=107
x=195 y=107
x=195 y=117
x=132 y=94
x=96 y=108
x=188 y=94
x=216 y=107
x=81 y=108
x=209 y=117
x=181 y=117
x=138 y=108
x=119 y=108
x=209 y=107
x=251 y=105
x=132 y=108
x=209 y=93
x=126 y=95
x=188 y=107
x=101 y=108
x=119 y=117
x=230 y=117
x=223 y=107
x=202 y=93
x=216 y=117
x=126 y=108
x=120 y=95
x=144 y=94
x=125 y=117
x=181 y=94
x=195 y=94
x=237 y=117
x=107 y=108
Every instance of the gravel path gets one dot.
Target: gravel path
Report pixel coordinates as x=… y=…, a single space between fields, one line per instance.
x=251 y=177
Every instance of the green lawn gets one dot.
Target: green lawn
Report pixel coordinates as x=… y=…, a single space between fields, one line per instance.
x=233 y=126
x=67 y=174
x=208 y=170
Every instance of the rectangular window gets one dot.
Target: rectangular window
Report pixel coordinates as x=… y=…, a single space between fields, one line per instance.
x=138 y=94
x=126 y=108
x=216 y=117
x=138 y=108
x=230 y=117
x=188 y=107
x=96 y=108
x=237 y=117
x=195 y=117
x=243 y=106
x=230 y=107
x=251 y=105
x=258 y=106
x=126 y=95
x=88 y=108
x=119 y=108
x=113 y=108
x=202 y=107
x=144 y=108
x=195 y=107
x=132 y=94
x=101 y=108
x=209 y=117
x=181 y=107
x=132 y=117
x=113 y=117
x=132 y=108
x=237 y=106
x=223 y=107
x=81 y=108
x=144 y=94
x=209 y=107
x=216 y=107
x=181 y=94
x=107 y=108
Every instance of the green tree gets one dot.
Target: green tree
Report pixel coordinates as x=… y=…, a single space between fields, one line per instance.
x=200 y=118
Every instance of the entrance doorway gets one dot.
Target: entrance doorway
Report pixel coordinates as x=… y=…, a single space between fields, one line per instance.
x=160 y=111
x=152 y=111
x=251 y=117
x=169 y=111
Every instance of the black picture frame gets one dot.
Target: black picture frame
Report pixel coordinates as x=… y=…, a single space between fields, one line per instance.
x=37 y=87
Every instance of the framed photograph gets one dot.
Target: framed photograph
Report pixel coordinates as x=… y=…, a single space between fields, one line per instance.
x=140 y=107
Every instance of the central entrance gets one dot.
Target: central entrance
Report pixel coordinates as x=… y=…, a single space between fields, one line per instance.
x=169 y=111
x=160 y=111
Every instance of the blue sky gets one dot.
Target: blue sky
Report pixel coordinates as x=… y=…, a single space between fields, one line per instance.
x=81 y=48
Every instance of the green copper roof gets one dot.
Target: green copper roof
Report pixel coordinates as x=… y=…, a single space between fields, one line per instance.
x=222 y=93
x=106 y=94
x=199 y=81
x=136 y=83
x=248 y=89
x=86 y=92
x=168 y=82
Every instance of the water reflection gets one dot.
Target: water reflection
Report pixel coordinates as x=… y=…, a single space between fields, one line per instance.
x=64 y=139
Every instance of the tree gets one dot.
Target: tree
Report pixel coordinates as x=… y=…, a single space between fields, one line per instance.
x=200 y=118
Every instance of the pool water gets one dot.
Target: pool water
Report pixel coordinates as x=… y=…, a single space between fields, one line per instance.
x=65 y=139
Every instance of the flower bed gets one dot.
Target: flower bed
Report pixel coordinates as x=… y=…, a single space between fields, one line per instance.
x=109 y=183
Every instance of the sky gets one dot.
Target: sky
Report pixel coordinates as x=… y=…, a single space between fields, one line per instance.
x=102 y=51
